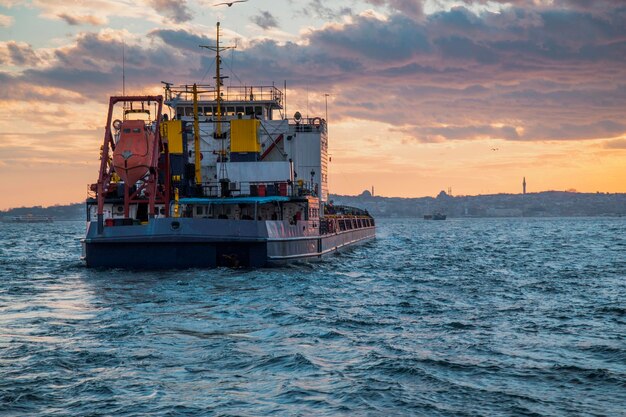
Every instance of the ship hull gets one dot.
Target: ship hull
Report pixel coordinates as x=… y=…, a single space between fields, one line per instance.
x=204 y=243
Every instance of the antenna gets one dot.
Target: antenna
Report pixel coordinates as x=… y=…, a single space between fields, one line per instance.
x=286 y=99
x=124 y=79
x=232 y=65
x=123 y=67
x=326 y=103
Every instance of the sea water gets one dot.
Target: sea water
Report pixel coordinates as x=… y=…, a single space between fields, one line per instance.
x=462 y=317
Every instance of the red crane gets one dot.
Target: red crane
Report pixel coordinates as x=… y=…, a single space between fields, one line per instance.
x=134 y=158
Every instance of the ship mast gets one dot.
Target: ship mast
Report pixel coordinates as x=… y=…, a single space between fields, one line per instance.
x=218 y=82
x=196 y=137
x=218 y=78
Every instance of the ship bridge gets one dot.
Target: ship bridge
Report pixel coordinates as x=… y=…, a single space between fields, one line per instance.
x=245 y=137
x=236 y=101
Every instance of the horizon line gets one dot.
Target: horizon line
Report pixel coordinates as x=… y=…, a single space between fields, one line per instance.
x=383 y=196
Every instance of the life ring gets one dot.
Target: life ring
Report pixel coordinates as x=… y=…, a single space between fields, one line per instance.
x=117 y=124
x=317 y=122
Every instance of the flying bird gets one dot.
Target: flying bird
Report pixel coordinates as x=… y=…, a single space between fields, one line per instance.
x=495 y=149
x=230 y=3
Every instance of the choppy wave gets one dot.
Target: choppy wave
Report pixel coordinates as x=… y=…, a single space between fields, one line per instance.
x=462 y=317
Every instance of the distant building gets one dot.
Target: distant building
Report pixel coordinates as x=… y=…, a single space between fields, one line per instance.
x=524 y=186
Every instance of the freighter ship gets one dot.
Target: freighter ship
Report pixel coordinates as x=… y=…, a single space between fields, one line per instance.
x=227 y=179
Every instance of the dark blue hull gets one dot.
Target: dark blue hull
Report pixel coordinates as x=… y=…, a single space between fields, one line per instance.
x=200 y=243
x=163 y=255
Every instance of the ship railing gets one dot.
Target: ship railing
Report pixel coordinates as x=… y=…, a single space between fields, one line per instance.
x=298 y=188
x=242 y=93
x=307 y=124
x=339 y=223
x=331 y=209
x=206 y=201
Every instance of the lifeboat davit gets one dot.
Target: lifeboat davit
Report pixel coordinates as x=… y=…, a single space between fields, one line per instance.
x=132 y=158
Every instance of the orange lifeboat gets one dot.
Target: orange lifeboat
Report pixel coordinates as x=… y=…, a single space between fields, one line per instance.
x=132 y=158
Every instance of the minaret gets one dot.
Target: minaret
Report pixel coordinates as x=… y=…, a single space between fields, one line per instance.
x=372 y=191
x=524 y=185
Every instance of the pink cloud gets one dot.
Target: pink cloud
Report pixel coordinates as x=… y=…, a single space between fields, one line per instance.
x=538 y=73
x=75 y=20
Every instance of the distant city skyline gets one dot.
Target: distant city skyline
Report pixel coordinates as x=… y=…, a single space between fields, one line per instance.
x=421 y=95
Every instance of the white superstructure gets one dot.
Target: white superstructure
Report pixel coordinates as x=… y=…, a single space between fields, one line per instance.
x=279 y=150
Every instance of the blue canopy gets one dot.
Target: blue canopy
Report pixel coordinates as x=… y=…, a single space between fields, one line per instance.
x=234 y=200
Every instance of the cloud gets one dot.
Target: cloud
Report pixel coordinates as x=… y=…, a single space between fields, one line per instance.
x=181 y=39
x=411 y=8
x=615 y=144
x=82 y=12
x=174 y=10
x=561 y=132
x=17 y=53
x=17 y=88
x=582 y=5
x=91 y=68
x=6 y=21
x=76 y=20
x=317 y=9
x=369 y=37
x=579 y=131
x=520 y=74
x=265 y=20
x=469 y=132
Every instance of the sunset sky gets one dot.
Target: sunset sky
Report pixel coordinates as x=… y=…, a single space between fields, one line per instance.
x=423 y=95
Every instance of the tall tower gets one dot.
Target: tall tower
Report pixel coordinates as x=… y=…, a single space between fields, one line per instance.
x=524 y=185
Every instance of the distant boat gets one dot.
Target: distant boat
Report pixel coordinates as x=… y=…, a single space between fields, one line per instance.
x=31 y=218
x=435 y=216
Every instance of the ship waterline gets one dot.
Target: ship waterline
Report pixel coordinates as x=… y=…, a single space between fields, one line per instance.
x=187 y=242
